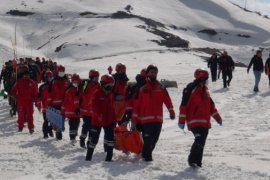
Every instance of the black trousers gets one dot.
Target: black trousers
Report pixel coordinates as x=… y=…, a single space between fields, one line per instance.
x=150 y=133
x=85 y=127
x=214 y=73
x=227 y=77
x=46 y=127
x=108 y=140
x=196 y=151
x=73 y=127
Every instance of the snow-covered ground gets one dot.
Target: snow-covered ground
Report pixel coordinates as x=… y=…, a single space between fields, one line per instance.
x=237 y=150
x=240 y=149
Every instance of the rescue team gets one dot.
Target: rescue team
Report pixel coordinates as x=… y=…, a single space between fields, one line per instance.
x=107 y=103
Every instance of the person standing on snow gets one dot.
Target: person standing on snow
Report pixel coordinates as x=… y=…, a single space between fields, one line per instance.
x=89 y=87
x=71 y=107
x=120 y=88
x=103 y=117
x=57 y=90
x=267 y=68
x=26 y=91
x=196 y=109
x=257 y=63
x=226 y=66
x=44 y=99
x=148 y=110
x=212 y=64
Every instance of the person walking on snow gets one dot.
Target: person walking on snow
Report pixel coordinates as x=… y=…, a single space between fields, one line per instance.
x=103 y=117
x=44 y=99
x=212 y=64
x=89 y=87
x=196 y=109
x=26 y=91
x=57 y=90
x=258 y=68
x=226 y=66
x=267 y=68
x=148 y=110
x=71 y=107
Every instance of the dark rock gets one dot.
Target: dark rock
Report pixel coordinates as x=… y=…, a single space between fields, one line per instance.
x=19 y=13
x=211 y=32
x=59 y=47
x=244 y=35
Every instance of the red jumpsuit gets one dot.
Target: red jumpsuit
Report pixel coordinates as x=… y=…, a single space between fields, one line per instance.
x=26 y=91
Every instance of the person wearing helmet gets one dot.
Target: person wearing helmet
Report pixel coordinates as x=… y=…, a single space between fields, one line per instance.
x=89 y=87
x=26 y=91
x=133 y=94
x=196 y=109
x=148 y=110
x=71 y=107
x=44 y=99
x=103 y=117
x=121 y=80
x=57 y=90
x=226 y=66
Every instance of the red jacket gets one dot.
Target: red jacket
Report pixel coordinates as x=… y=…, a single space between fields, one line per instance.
x=103 y=109
x=26 y=91
x=44 y=97
x=149 y=106
x=71 y=103
x=197 y=107
x=57 y=89
x=86 y=98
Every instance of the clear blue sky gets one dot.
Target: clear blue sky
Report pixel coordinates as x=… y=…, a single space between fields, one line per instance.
x=262 y=6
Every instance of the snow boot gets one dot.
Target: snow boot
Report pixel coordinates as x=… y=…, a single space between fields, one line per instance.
x=109 y=154
x=31 y=131
x=20 y=129
x=58 y=135
x=89 y=154
x=82 y=142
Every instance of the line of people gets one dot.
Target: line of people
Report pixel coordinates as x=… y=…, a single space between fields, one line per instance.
x=110 y=102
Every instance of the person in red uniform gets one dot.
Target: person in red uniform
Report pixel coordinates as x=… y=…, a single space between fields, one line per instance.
x=71 y=107
x=44 y=99
x=89 y=87
x=120 y=87
x=57 y=90
x=148 y=110
x=103 y=117
x=26 y=91
x=196 y=109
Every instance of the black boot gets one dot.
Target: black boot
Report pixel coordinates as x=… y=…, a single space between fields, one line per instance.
x=193 y=157
x=109 y=154
x=89 y=154
x=147 y=153
x=58 y=135
x=82 y=142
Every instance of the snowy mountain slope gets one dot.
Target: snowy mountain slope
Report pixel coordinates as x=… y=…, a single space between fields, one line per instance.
x=237 y=150
x=57 y=23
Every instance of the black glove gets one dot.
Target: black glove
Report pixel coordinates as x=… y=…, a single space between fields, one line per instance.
x=172 y=116
x=77 y=111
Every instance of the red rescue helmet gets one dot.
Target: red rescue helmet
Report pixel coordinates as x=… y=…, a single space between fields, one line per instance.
x=120 y=68
x=93 y=73
x=143 y=72
x=201 y=74
x=75 y=78
x=61 y=68
x=107 y=79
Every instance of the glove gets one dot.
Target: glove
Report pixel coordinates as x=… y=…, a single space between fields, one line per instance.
x=172 y=116
x=181 y=125
x=77 y=111
x=219 y=122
